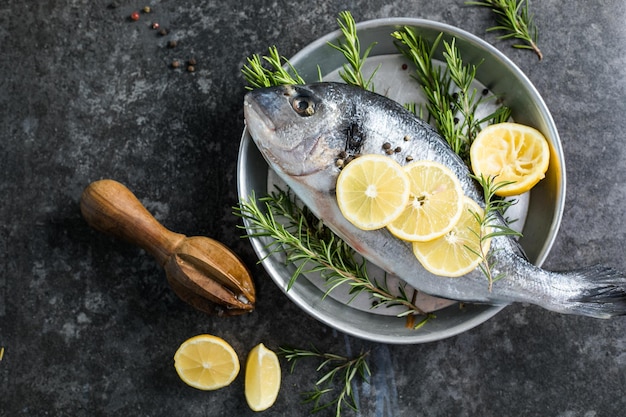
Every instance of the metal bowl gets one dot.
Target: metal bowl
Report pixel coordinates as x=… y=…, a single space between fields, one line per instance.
x=543 y=208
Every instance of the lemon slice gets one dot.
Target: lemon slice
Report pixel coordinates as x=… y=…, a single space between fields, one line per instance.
x=435 y=203
x=372 y=191
x=511 y=152
x=457 y=252
x=206 y=362
x=262 y=378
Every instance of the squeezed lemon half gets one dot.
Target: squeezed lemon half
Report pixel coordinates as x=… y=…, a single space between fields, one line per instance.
x=206 y=362
x=372 y=191
x=511 y=152
x=459 y=251
x=435 y=203
x=262 y=378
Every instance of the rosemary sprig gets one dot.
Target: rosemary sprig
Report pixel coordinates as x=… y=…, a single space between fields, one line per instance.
x=514 y=18
x=451 y=100
x=351 y=49
x=312 y=247
x=344 y=368
x=491 y=225
x=258 y=76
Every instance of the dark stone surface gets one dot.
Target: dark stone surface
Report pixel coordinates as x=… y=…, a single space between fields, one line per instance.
x=88 y=324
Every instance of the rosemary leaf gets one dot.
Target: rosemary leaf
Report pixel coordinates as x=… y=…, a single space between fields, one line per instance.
x=491 y=224
x=258 y=76
x=514 y=18
x=344 y=368
x=452 y=100
x=309 y=245
x=351 y=49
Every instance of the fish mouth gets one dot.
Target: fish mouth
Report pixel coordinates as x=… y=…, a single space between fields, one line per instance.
x=260 y=113
x=259 y=123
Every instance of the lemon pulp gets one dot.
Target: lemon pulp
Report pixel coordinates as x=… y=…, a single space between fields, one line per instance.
x=206 y=362
x=435 y=202
x=511 y=152
x=262 y=378
x=459 y=251
x=372 y=191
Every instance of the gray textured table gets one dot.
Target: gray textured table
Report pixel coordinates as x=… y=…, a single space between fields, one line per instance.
x=89 y=325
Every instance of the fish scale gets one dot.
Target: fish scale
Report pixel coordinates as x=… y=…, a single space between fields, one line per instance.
x=302 y=147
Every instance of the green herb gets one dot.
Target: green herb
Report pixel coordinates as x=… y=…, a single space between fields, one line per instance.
x=351 y=49
x=344 y=368
x=491 y=224
x=312 y=247
x=259 y=76
x=514 y=18
x=451 y=100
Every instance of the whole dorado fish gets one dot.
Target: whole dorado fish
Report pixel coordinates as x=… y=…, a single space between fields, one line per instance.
x=303 y=130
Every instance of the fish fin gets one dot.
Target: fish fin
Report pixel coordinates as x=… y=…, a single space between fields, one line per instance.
x=602 y=292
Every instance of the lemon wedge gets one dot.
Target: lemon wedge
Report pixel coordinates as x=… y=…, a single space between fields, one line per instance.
x=262 y=378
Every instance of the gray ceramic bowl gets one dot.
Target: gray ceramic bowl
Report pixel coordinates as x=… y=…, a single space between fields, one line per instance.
x=544 y=205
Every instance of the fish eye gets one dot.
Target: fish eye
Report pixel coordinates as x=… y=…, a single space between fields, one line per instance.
x=303 y=105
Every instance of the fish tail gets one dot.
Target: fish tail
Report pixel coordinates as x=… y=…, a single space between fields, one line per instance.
x=602 y=292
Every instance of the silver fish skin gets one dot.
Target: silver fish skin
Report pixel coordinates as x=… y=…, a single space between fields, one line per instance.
x=301 y=131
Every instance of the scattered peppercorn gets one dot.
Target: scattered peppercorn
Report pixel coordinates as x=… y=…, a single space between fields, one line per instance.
x=175 y=63
x=407 y=138
x=456 y=120
x=163 y=32
x=389 y=151
x=147 y=9
x=398 y=150
x=172 y=44
x=404 y=66
x=155 y=25
x=409 y=158
x=134 y=16
x=191 y=68
x=343 y=155
x=485 y=91
x=339 y=163
x=386 y=145
x=192 y=61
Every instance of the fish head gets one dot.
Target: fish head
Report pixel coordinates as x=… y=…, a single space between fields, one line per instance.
x=297 y=128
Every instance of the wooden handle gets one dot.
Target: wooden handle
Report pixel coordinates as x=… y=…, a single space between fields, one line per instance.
x=111 y=208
